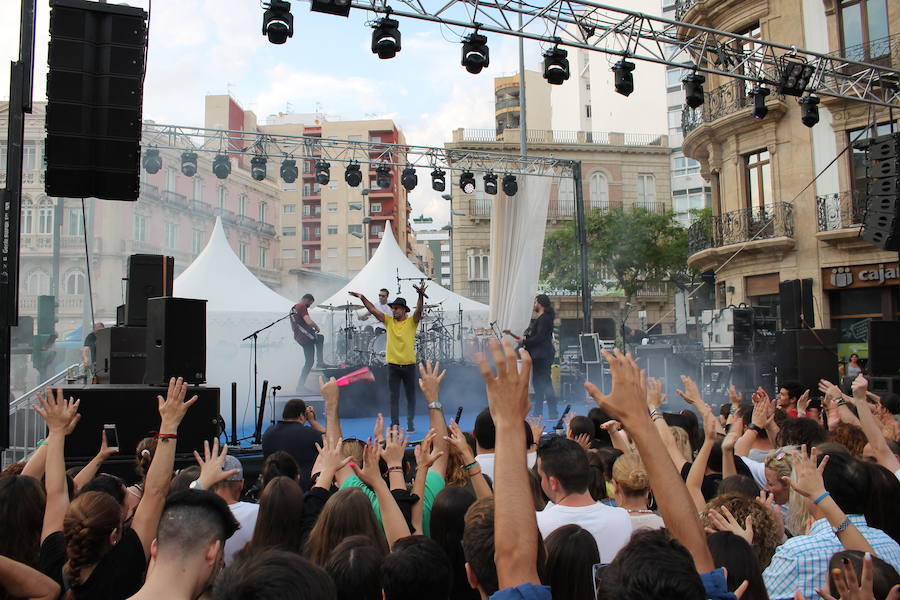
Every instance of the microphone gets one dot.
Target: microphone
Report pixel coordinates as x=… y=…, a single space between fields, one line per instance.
x=275 y=388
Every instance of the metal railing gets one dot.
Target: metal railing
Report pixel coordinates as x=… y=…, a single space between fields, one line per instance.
x=26 y=427
x=506 y=103
x=682 y=6
x=557 y=136
x=479 y=289
x=840 y=211
x=719 y=102
x=744 y=225
x=883 y=52
x=481 y=207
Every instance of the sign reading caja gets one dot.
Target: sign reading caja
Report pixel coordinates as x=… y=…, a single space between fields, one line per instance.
x=860 y=276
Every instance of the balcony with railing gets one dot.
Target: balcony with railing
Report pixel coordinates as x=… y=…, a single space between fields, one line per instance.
x=29 y=177
x=481 y=207
x=764 y=228
x=479 y=290
x=884 y=52
x=552 y=136
x=839 y=216
x=725 y=100
x=506 y=103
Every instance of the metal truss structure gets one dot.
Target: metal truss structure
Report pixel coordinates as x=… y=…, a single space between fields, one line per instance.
x=218 y=141
x=634 y=35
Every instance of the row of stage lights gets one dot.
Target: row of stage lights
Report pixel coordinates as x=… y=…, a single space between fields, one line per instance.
x=278 y=25
x=221 y=167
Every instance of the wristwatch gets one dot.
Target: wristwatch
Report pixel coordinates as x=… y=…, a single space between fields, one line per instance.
x=436 y=405
x=195 y=485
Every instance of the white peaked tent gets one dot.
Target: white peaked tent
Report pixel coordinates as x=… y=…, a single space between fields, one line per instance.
x=390 y=263
x=237 y=305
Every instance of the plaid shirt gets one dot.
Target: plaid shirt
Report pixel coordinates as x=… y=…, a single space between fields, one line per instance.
x=801 y=563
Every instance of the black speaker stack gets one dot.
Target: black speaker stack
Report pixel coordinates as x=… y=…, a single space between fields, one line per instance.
x=881 y=225
x=796 y=301
x=884 y=358
x=149 y=276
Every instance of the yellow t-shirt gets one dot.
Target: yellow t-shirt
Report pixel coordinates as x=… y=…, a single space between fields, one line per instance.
x=401 y=340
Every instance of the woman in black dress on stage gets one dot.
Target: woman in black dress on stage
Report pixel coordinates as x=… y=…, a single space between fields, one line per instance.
x=538 y=340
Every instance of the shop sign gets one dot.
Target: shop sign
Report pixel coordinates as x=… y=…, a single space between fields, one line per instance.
x=860 y=276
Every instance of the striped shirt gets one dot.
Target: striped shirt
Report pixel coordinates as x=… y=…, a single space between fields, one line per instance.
x=801 y=563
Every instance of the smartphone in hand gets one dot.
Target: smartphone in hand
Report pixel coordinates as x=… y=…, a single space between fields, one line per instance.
x=112 y=436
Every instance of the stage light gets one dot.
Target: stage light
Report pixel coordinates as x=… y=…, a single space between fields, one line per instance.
x=323 y=172
x=189 y=163
x=510 y=185
x=152 y=161
x=340 y=8
x=556 y=66
x=383 y=176
x=760 y=110
x=693 y=89
x=795 y=75
x=438 y=180
x=258 y=168
x=221 y=166
x=278 y=22
x=409 y=179
x=289 y=170
x=467 y=182
x=624 y=80
x=386 y=38
x=475 y=53
x=353 y=175
x=809 y=110
x=490 y=183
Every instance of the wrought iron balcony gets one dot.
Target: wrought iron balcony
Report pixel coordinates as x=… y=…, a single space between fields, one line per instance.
x=682 y=6
x=720 y=102
x=883 y=52
x=479 y=289
x=840 y=211
x=744 y=225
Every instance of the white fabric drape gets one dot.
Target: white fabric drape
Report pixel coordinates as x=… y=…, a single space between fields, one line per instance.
x=517 y=244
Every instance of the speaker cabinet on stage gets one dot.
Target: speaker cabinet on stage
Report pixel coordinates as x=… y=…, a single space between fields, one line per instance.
x=884 y=357
x=884 y=385
x=135 y=412
x=806 y=356
x=796 y=300
x=176 y=340
x=121 y=354
x=149 y=276
x=881 y=224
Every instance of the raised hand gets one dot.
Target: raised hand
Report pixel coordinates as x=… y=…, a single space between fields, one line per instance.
x=536 y=422
x=809 y=481
x=211 y=465
x=425 y=453
x=507 y=391
x=710 y=426
x=61 y=415
x=734 y=396
x=583 y=440
x=394 y=447
x=355 y=294
x=655 y=396
x=330 y=391
x=859 y=387
x=172 y=408
x=378 y=431
x=723 y=520
x=310 y=413
x=458 y=441
x=803 y=403
x=626 y=402
x=430 y=378
x=330 y=456
x=368 y=472
x=105 y=451
x=851 y=588
x=691 y=395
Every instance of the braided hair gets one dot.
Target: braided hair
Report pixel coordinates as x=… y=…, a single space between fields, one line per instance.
x=89 y=521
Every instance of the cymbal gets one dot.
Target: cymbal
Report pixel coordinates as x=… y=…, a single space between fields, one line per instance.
x=341 y=306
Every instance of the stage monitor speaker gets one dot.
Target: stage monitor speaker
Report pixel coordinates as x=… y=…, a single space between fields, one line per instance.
x=806 y=356
x=884 y=357
x=884 y=385
x=590 y=348
x=796 y=300
x=135 y=412
x=121 y=354
x=149 y=276
x=176 y=340
x=95 y=89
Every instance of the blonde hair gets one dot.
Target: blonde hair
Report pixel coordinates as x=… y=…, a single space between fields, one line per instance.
x=798 y=515
x=629 y=472
x=683 y=441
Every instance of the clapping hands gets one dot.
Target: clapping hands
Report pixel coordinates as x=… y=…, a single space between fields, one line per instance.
x=61 y=415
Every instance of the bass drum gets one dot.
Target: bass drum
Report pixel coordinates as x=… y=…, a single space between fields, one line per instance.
x=378 y=349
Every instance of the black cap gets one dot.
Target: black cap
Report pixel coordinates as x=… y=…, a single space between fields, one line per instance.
x=401 y=302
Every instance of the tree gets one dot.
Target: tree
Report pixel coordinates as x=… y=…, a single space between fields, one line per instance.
x=627 y=248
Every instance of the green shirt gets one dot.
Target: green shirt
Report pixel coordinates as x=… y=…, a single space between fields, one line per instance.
x=434 y=483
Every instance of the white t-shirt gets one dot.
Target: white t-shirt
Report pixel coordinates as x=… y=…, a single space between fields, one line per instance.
x=610 y=526
x=245 y=513
x=486 y=461
x=384 y=308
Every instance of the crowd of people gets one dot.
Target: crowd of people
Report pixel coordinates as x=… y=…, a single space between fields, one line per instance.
x=790 y=497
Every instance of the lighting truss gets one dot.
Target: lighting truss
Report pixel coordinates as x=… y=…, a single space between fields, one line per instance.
x=634 y=35
x=218 y=141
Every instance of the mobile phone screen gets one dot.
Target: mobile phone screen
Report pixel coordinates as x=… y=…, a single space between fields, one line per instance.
x=112 y=435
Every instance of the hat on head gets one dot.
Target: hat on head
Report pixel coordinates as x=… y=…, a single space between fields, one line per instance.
x=399 y=302
x=233 y=463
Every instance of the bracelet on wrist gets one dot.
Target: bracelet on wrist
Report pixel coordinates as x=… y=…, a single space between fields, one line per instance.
x=470 y=465
x=842 y=527
x=395 y=469
x=822 y=497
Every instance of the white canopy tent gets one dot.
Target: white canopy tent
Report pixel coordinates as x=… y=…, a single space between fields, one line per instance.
x=237 y=305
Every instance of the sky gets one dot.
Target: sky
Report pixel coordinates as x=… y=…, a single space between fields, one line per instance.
x=200 y=47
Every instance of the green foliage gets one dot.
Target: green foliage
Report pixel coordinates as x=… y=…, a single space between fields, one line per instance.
x=627 y=249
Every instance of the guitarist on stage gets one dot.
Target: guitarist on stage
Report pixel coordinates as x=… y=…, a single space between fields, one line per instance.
x=306 y=333
x=538 y=340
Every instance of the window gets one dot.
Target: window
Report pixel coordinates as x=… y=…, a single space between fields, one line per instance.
x=198 y=237
x=242 y=252
x=374 y=208
x=198 y=189
x=263 y=256
x=317 y=189
x=171 y=178
x=332 y=207
x=674 y=117
x=759 y=179
x=29 y=157
x=864 y=27
x=587 y=111
x=307 y=168
x=73 y=282
x=3 y=146
x=288 y=231
x=479 y=265
x=332 y=253
x=45 y=216
x=674 y=77
x=307 y=189
x=306 y=256
x=565 y=197
x=599 y=190
x=351 y=229
x=37 y=283
x=76 y=225
x=332 y=229
x=220 y=199
x=646 y=188
x=682 y=165
x=307 y=210
x=141 y=224
x=376 y=230
x=171 y=238
x=262 y=212
x=317 y=255
x=289 y=209
x=354 y=251
x=684 y=201
x=27 y=213
x=242 y=205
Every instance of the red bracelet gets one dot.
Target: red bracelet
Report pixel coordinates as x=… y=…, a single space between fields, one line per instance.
x=168 y=436
x=395 y=469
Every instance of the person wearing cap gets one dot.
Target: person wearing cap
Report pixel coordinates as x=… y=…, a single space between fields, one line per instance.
x=401 y=351
x=244 y=512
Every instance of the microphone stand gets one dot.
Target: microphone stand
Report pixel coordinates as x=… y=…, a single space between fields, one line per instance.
x=254 y=339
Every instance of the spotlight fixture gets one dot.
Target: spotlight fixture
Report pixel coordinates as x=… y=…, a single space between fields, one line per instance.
x=693 y=89
x=340 y=8
x=353 y=175
x=490 y=183
x=409 y=179
x=809 y=110
x=383 y=176
x=289 y=170
x=438 y=180
x=278 y=22
x=221 y=166
x=475 y=53
x=152 y=161
x=323 y=172
x=510 y=185
x=386 y=38
x=760 y=110
x=624 y=80
x=258 y=168
x=467 y=182
x=556 y=66
x=795 y=75
x=189 y=163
